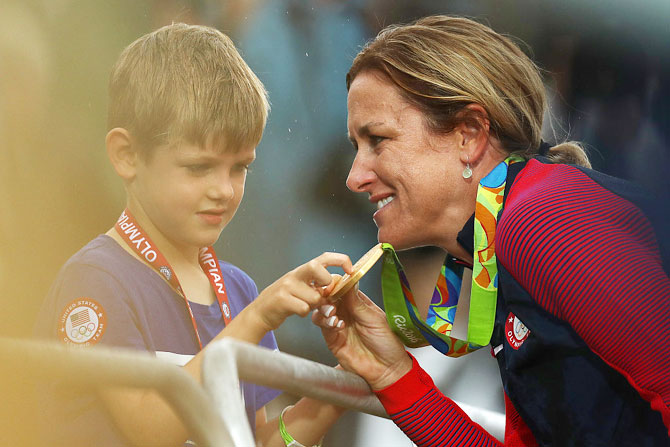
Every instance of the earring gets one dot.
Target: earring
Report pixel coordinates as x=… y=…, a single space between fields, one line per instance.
x=467 y=172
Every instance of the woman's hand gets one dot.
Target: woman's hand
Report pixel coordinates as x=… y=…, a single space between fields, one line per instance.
x=356 y=331
x=297 y=292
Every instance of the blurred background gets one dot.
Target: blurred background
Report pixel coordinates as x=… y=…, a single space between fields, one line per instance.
x=607 y=72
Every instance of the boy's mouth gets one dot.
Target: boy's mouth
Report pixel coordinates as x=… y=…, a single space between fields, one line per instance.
x=213 y=211
x=212 y=216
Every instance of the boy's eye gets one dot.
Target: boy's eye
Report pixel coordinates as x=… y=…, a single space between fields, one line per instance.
x=241 y=168
x=197 y=168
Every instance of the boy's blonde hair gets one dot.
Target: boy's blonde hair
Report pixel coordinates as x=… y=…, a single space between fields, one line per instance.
x=187 y=83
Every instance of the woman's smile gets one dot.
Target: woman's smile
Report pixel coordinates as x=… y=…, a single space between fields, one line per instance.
x=383 y=206
x=383 y=202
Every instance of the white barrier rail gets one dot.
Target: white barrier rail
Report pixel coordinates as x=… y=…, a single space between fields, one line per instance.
x=115 y=367
x=214 y=415
x=228 y=359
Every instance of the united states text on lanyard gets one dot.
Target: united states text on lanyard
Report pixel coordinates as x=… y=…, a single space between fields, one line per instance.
x=142 y=245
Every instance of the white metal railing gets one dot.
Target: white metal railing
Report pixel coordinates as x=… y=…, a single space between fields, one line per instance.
x=214 y=415
x=102 y=366
x=228 y=360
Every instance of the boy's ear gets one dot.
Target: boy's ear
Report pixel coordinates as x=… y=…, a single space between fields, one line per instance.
x=122 y=153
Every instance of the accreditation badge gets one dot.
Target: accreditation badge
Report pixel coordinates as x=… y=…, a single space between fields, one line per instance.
x=82 y=322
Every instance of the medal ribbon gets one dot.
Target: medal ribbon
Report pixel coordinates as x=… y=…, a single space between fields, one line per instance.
x=401 y=311
x=142 y=245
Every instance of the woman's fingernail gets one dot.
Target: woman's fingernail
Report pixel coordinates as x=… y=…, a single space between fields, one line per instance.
x=331 y=321
x=340 y=324
x=327 y=310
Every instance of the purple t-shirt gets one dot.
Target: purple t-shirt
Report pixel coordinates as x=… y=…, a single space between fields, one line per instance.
x=105 y=296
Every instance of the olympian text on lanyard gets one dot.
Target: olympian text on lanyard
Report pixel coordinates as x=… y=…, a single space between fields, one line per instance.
x=142 y=245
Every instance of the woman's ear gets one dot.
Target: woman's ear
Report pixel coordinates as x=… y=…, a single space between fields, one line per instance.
x=122 y=152
x=473 y=133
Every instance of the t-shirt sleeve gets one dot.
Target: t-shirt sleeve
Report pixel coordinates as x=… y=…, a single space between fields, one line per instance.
x=85 y=306
x=88 y=306
x=590 y=257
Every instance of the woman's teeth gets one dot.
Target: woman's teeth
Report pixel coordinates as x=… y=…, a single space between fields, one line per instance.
x=384 y=202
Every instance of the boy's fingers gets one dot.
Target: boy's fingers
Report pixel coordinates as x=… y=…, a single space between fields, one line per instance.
x=302 y=309
x=308 y=294
x=330 y=259
x=315 y=273
x=329 y=288
x=320 y=276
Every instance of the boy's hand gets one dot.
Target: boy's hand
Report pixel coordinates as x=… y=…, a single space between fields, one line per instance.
x=299 y=291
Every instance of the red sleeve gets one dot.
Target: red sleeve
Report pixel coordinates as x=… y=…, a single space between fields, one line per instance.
x=427 y=416
x=590 y=257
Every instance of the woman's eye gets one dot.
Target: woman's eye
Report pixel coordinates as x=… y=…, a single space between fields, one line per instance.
x=375 y=140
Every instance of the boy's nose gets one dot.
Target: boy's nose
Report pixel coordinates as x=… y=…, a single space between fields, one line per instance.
x=222 y=189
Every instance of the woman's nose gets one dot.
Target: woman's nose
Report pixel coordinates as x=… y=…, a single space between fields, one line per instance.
x=360 y=175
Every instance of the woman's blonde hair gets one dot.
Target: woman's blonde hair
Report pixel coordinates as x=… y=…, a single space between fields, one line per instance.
x=187 y=83
x=441 y=64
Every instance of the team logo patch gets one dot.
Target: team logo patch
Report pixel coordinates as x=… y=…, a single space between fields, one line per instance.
x=515 y=331
x=82 y=323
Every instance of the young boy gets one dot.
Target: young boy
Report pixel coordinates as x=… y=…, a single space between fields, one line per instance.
x=185 y=114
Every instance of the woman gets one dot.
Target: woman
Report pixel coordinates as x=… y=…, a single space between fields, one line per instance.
x=569 y=286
